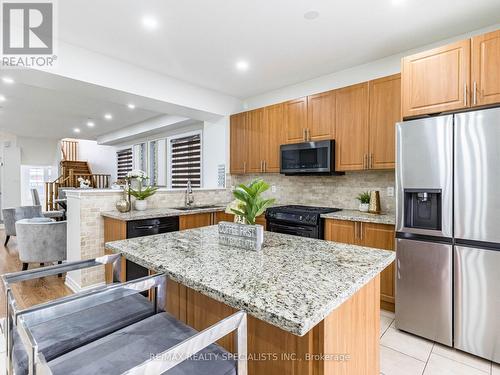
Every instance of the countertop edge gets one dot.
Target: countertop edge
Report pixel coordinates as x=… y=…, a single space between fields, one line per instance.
x=142 y=215
x=353 y=215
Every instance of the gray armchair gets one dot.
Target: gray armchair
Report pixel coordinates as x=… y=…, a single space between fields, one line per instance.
x=41 y=240
x=11 y=215
x=56 y=214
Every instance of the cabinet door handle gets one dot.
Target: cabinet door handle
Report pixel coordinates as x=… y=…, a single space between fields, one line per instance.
x=308 y=133
x=465 y=94
x=355 y=230
x=244 y=167
x=305 y=135
x=365 y=162
x=474 y=95
x=371 y=162
x=361 y=231
x=265 y=165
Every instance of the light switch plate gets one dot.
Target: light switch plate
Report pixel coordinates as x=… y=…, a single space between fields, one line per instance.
x=273 y=189
x=390 y=191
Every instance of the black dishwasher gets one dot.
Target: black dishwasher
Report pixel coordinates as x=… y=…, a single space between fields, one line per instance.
x=147 y=227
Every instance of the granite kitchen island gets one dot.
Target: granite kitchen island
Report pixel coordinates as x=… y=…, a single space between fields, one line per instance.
x=313 y=305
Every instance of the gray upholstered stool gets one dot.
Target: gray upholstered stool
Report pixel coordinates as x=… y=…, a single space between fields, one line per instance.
x=114 y=330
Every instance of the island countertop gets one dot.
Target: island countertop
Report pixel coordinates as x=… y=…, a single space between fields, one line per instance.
x=293 y=283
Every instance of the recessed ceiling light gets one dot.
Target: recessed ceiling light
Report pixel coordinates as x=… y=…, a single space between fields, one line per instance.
x=311 y=15
x=131 y=106
x=76 y=130
x=149 y=22
x=7 y=80
x=108 y=116
x=2 y=98
x=90 y=124
x=242 y=66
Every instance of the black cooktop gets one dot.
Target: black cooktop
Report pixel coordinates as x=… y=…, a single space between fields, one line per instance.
x=301 y=209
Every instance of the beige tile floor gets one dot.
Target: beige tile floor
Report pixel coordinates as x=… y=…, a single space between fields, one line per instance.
x=404 y=354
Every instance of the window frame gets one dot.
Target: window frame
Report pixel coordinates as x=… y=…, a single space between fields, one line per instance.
x=169 y=156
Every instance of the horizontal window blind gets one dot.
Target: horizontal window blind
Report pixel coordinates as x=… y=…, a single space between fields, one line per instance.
x=123 y=162
x=186 y=161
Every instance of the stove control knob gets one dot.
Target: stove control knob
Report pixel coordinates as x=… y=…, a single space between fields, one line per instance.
x=300 y=217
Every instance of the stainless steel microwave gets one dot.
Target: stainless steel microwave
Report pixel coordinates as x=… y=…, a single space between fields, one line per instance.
x=308 y=158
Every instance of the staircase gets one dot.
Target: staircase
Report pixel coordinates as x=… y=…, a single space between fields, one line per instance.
x=71 y=171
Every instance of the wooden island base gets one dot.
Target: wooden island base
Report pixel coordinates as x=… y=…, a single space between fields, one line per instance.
x=349 y=336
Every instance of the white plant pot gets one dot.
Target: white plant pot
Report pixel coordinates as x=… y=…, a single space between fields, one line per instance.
x=363 y=207
x=141 y=205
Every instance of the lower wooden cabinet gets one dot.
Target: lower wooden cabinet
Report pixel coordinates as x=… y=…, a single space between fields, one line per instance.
x=196 y=220
x=380 y=236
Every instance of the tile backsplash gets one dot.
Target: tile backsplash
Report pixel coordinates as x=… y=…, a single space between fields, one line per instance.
x=329 y=191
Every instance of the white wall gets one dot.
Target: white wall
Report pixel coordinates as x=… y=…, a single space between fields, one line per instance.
x=375 y=69
x=10 y=171
x=215 y=150
x=39 y=151
x=102 y=159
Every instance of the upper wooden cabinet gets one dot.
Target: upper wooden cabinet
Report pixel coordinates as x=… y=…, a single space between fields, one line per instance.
x=295 y=115
x=238 y=143
x=385 y=112
x=274 y=137
x=437 y=80
x=255 y=141
x=486 y=69
x=351 y=120
x=320 y=116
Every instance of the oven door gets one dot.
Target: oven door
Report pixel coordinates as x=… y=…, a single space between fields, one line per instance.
x=294 y=229
x=308 y=157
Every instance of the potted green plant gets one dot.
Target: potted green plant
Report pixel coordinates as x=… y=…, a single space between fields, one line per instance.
x=248 y=205
x=140 y=193
x=364 y=201
x=250 y=202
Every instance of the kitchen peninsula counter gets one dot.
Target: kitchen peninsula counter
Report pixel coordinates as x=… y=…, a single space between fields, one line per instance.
x=312 y=296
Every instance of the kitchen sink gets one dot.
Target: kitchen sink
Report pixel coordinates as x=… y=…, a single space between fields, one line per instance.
x=191 y=208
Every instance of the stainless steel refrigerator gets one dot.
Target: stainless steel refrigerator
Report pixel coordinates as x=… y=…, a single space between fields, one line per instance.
x=448 y=230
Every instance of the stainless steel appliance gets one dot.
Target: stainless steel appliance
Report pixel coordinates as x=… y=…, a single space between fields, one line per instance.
x=448 y=241
x=308 y=158
x=304 y=221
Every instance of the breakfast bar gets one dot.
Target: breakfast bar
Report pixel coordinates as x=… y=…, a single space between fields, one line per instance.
x=313 y=305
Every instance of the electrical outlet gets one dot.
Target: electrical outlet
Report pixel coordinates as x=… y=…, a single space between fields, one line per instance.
x=390 y=191
x=232 y=187
x=273 y=189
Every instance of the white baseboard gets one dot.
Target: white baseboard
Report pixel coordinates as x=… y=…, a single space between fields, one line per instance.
x=76 y=288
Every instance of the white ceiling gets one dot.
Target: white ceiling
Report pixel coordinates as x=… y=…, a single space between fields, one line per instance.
x=199 y=41
x=34 y=111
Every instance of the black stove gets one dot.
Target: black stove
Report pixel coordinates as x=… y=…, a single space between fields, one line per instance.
x=298 y=220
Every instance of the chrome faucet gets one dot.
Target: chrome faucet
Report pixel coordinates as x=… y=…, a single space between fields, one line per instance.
x=189 y=197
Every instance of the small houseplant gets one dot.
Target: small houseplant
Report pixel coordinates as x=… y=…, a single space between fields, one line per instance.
x=364 y=201
x=140 y=193
x=250 y=203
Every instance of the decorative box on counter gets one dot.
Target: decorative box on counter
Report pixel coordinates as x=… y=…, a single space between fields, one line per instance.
x=244 y=236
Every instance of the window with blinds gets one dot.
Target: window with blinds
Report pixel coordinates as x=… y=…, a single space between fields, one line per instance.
x=186 y=161
x=123 y=162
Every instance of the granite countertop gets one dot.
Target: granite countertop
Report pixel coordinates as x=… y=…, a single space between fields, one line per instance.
x=293 y=283
x=355 y=215
x=161 y=212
